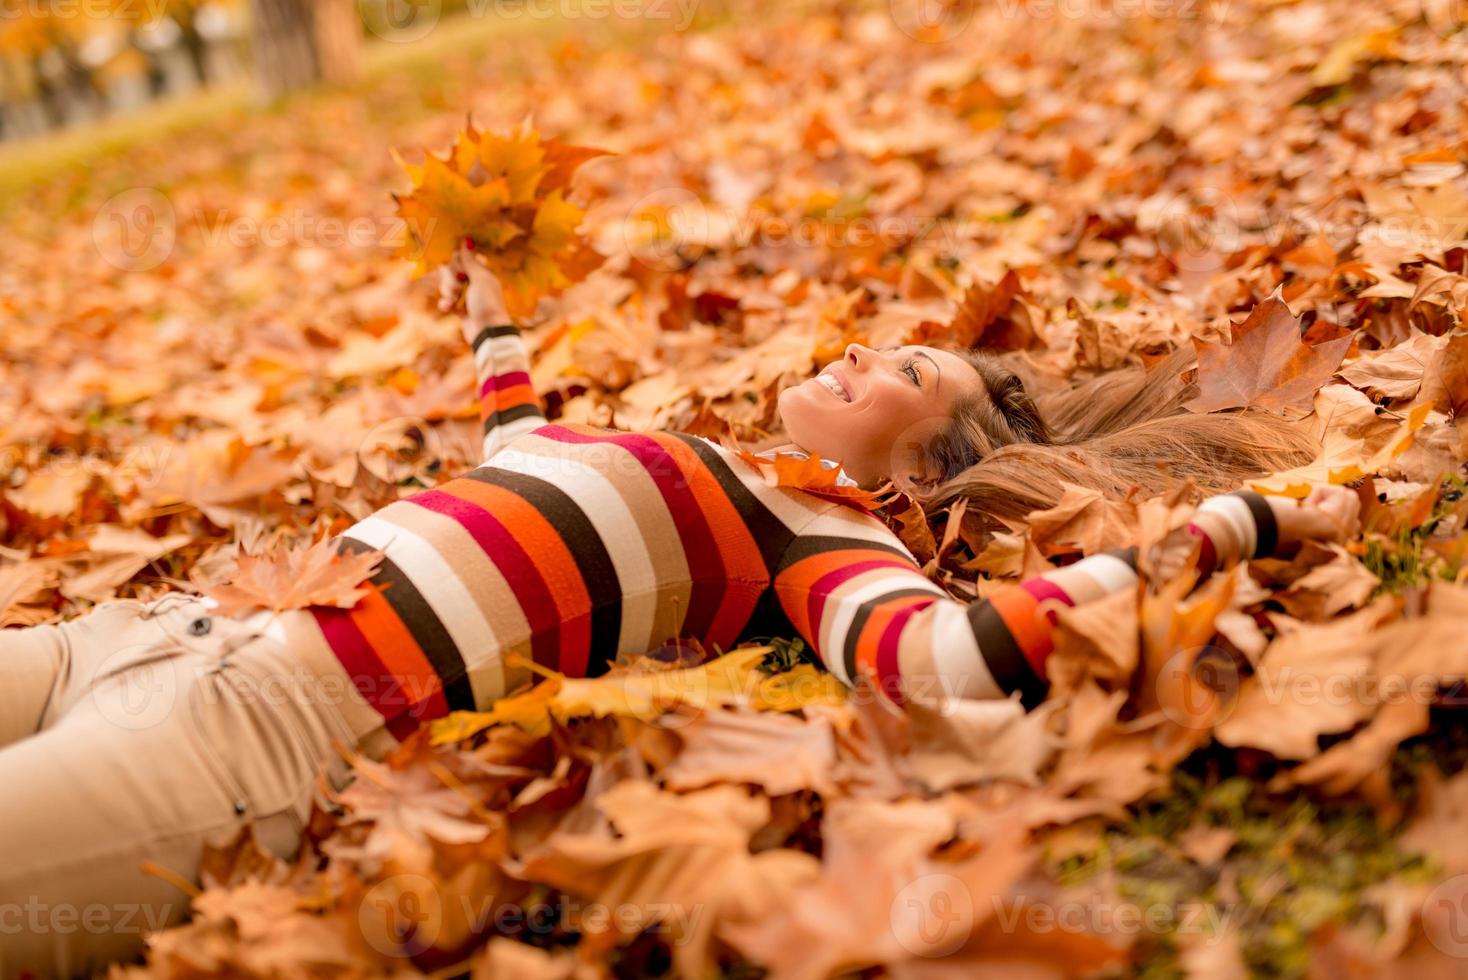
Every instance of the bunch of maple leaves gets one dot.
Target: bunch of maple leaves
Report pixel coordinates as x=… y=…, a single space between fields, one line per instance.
x=1279 y=186
x=503 y=197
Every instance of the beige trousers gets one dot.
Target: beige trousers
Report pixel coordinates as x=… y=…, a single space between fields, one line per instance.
x=139 y=733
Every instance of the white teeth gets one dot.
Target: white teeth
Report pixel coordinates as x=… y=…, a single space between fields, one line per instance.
x=829 y=380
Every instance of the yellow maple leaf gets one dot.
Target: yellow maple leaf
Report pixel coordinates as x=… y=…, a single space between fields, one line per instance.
x=505 y=194
x=517 y=159
x=730 y=679
x=445 y=209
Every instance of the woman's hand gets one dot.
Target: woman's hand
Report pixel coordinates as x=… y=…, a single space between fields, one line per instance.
x=466 y=279
x=1330 y=513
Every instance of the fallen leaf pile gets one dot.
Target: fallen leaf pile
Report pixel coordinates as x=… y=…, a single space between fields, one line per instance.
x=210 y=354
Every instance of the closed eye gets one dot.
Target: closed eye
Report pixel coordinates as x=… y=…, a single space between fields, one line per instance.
x=910 y=369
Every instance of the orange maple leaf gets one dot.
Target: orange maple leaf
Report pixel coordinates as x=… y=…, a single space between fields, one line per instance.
x=1267 y=366
x=293 y=578
x=808 y=473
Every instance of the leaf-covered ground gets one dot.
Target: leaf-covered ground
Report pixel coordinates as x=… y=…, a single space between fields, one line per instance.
x=209 y=351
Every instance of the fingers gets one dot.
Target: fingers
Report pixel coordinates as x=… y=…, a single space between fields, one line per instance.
x=449 y=289
x=1341 y=506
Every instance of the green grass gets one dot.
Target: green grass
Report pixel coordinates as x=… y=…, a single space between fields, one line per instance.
x=1297 y=863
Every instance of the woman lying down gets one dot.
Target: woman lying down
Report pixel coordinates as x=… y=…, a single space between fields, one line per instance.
x=120 y=742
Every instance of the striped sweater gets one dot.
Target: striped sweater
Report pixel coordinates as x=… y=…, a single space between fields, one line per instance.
x=569 y=545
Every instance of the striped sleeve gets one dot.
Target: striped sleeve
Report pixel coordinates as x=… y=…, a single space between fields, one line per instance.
x=508 y=404
x=858 y=598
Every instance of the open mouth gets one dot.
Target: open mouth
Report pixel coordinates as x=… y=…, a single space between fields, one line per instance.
x=832 y=382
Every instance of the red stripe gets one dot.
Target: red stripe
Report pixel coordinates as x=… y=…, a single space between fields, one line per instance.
x=402 y=726
x=705 y=567
x=1207 y=553
x=518 y=568
x=744 y=576
x=380 y=687
x=509 y=379
x=822 y=587
x=1044 y=590
x=889 y=671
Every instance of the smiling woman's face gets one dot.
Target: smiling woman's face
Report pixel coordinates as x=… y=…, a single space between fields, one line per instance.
x=874 y=410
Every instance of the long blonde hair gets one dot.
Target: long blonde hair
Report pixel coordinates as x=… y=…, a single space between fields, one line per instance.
x=1009 y=453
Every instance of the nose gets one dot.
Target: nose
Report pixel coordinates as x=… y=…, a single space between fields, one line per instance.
x=859 y=356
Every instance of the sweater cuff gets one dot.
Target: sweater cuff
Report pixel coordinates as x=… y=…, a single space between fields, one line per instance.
x=489 y=333
x=1266 y=527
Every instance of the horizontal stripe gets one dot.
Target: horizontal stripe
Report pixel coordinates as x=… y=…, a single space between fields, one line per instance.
x=502 y=382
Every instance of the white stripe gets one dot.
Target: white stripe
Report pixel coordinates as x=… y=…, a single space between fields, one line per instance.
x=1107 y=571
x=445 y=593
x=505 y=353
x=846 y=522
x=962 y=671
x=614 y=524
x=501 y=435
x=1239 y=517
x=840 y=609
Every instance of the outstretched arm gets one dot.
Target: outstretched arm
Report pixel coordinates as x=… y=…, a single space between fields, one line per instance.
x=863 y=605
x=508 y=405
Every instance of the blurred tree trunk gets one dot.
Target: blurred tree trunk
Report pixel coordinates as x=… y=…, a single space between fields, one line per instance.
x=299 y=42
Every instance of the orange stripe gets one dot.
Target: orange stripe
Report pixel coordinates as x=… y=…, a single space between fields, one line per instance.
x=395 y=646
x=1021 y=613
x=529 y=528
x=737 y=548
x=498 y=401
x=795 y=583
x=867 y=644
x=806 y=572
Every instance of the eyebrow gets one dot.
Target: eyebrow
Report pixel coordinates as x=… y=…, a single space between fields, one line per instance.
x=921 y=353
x=937 y=370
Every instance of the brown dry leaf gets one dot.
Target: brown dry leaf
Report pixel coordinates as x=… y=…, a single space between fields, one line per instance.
x=961 y=742
x=1267 y=366
x=990 y=315
x=810 y=474
x=1396 y=372
x=1303 y=686
x=777 y=752
x=21 y=585
x=732 y=679
x=1340 y=583
x=683 y=861
x=503 y=958
x=1082 y=520
x=309 y=573
x=1097 y=641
